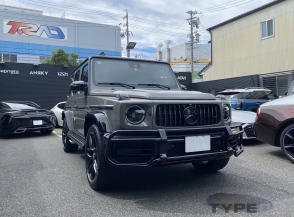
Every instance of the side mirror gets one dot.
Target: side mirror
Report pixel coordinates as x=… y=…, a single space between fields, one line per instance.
x=183 y=87
x=286 y=93
x=79 y=86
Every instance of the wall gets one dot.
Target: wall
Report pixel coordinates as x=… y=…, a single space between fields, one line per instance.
x=81 y=37
x=238 y=50
x=222 y=84
x=45 y=85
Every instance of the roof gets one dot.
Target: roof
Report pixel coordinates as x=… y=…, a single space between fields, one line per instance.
x=204 y=69
x=249 y=89
x=245 y=14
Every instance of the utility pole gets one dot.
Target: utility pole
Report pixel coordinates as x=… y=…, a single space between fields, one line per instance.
x=193 y=22
x=127 y=31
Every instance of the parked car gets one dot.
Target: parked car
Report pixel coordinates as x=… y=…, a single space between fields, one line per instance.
x=248 y=99
x=275 y=125
x=20 y=117
x=133 y=113
x=58 y=109
x=247 y=119
x=291 y=90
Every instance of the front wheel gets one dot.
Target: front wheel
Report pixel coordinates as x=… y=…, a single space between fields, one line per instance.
x=287 y=142
x=100 y=173
x=211 y=166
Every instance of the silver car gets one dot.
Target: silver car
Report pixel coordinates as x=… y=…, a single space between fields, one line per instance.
x=247 y=119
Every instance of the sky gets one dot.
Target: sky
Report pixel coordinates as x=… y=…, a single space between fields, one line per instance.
x=151 y=22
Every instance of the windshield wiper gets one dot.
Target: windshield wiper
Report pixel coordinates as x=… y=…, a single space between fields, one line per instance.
x=121 y=84
x=156 y=85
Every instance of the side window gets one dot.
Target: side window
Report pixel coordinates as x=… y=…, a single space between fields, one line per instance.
x=267 y=28
x=72 y=77
x=85 y=73
x=77 y=76
x=61 y=106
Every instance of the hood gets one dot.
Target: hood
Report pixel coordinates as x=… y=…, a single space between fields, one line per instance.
x=245 y=117
x=156 y=94
x=288 y=100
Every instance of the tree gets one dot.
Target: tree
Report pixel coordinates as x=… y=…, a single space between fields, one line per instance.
x=61 y=57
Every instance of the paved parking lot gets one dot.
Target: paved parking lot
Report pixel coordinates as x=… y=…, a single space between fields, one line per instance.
x=39 y=179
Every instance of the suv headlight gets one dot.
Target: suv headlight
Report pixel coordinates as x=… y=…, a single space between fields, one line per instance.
x=135 y=114
x=227 y=112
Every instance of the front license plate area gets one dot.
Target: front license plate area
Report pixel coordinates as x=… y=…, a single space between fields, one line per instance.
x=197 y=143
x=37 y=122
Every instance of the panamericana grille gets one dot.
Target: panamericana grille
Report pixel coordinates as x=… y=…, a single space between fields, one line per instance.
x=249 y=131
x=178 y=149
x=172 y=115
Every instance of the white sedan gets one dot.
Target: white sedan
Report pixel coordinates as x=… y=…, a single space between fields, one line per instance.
x=58 y=109
x=247 y=119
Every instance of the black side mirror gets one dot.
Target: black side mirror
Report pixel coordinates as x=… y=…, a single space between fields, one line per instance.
x=183 y=87
x=79 y=86
x=286 y=93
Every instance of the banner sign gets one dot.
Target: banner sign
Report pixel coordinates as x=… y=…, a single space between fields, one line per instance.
x=32 y=29
x=45 y=85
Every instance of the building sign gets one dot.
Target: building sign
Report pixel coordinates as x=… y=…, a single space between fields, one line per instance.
x=9 y=71
x=32 y=29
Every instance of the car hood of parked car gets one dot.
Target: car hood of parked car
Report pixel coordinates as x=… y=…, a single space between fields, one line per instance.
x=288 y=100
x=243 y=116
x=156 y=94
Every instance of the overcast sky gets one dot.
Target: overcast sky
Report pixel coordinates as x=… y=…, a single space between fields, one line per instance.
x=150 y=21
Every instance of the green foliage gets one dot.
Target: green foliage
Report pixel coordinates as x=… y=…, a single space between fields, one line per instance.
x=61 y=57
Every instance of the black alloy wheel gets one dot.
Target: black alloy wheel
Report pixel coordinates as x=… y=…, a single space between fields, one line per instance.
x=91 y=157
x=287 y=142
x=67 y=145
x=100 y=173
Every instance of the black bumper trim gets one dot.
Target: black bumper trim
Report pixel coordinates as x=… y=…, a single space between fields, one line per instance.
x=163 y=137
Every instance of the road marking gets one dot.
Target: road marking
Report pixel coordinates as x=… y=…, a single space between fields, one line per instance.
x=57 y=134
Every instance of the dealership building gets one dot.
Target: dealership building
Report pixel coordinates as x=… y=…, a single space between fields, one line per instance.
x=27 y=36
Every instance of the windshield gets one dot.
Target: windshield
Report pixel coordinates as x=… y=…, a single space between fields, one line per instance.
x=132 y=73
x=19 y=106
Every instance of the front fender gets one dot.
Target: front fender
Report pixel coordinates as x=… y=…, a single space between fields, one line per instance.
x=68 y=116
x=100 y=119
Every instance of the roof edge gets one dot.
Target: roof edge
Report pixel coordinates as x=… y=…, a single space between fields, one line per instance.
x=245 y=14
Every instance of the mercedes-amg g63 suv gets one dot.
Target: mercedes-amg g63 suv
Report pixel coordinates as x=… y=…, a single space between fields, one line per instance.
x=133 y=113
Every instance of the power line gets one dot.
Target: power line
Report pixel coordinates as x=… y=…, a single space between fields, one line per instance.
x=226 y=7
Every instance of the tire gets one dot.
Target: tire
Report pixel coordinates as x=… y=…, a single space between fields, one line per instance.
x=45 y=132
x=287 y=142
x=100 y=173
x=211 y=166
x=252 y=109
x=68 y=147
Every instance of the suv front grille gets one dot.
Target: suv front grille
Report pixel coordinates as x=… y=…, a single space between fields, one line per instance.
x=172 y=115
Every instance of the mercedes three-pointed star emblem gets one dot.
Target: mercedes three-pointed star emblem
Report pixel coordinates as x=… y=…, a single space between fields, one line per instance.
x=190 y=115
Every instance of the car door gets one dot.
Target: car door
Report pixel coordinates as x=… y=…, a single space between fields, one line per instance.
x=71 y=101
x=81 y=102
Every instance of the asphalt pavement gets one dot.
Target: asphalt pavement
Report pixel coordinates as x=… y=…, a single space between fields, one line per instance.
x=39 y=179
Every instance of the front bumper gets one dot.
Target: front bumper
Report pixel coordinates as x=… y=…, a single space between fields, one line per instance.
x=248 y=131
x=167 y=146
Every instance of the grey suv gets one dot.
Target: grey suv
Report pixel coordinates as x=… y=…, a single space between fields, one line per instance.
x=133 y=113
